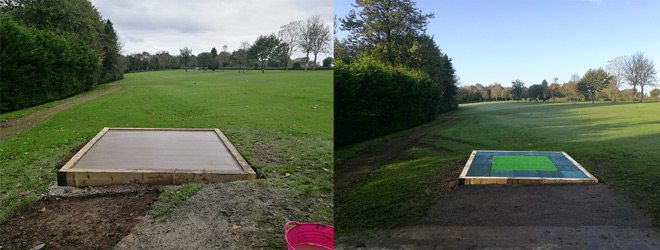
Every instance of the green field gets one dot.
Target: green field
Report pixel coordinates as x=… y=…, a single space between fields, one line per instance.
x=509 y=162
x=618 y=143
x=281 y=122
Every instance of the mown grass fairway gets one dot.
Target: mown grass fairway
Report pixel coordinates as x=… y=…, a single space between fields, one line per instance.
x=618 y=143
x=281 y=122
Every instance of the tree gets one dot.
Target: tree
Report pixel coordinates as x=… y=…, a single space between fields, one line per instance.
x=616 y=67
x=77 y=18
x=385 y=28
x=205 y=60
x=328 y=61
x=506 y=93
x=639 y=70
x=593 y=81
x=554 y=89
x=214 y=55
x=655 y=93
x=289 y=35
x=319 y=36
x=535 y=91
x=264 y=48
x=569 y=89
x=185 y=55
x=544 y=88
x=517 y=89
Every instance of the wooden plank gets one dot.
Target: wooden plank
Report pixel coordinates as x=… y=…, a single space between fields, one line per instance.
x=237 y=156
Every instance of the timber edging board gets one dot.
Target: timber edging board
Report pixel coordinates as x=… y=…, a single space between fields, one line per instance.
x=464 y=179
x=70 y=175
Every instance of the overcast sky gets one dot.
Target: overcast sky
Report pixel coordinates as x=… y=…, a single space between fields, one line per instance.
x=150 y=25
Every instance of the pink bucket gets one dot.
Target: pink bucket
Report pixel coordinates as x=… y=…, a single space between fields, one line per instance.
x=309 y=236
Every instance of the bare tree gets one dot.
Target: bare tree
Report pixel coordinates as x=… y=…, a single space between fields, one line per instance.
x=320 y=37
x=639 y=70
x=616 y=68
x=243 y=60
x=289 y=34
x=305 y=40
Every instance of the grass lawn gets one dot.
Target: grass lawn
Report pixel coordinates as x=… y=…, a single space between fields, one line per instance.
x=618 y=143
x=281 y=122
x=512 y=162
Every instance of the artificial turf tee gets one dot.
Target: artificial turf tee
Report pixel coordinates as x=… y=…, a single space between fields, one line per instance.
x=520 y=162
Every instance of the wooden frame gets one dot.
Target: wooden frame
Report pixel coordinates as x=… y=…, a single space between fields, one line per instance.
x=472 y=180
x=70 y=176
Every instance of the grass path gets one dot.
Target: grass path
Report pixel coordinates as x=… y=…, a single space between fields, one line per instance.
x=14 y=126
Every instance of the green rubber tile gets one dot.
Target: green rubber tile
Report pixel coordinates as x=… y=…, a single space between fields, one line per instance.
x=513 y=162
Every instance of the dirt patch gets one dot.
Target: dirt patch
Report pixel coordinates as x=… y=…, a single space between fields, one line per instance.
x=15 y=126
x=523 y=216
x=379 y=155
x=96 y=222
x=234 y=215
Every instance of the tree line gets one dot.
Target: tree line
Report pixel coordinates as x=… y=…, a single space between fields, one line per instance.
x=310 y=36
x=390 y=75
x=53 y=49
x=637 y=71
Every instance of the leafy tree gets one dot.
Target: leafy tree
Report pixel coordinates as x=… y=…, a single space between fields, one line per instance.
x=385 y=28
x=506 y=93
x=496 y=91
x=77 y=18
x=593 y=81
x=214 y=55
x=554 y=90
x=544 y=88
x=205 y=60
x=186 y=56
x=655 y=93
x=517 y=89
x=535 y=91
x=569 y=89
x=328 y=61
x=264 y=48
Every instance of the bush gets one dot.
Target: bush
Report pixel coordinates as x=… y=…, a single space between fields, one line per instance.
x=372 y=99
x=39 y=66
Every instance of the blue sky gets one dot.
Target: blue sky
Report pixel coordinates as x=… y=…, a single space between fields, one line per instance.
x=500 y=41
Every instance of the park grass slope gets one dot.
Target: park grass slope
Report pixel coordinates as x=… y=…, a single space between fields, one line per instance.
x=281 y=122
x=617 y=142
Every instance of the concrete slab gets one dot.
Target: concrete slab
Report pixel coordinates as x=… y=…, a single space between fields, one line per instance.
x=155 y=156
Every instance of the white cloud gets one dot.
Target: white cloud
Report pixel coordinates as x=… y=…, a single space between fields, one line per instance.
x=150 y=25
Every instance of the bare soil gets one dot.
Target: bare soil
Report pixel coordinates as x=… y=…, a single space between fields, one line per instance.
x=92 y=222
x=16 y=126
x=234 y=215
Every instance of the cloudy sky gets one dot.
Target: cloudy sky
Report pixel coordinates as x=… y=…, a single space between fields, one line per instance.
x=150 y=25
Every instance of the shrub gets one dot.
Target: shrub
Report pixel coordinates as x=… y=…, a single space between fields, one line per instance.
x=40 y=66
x=372 y=99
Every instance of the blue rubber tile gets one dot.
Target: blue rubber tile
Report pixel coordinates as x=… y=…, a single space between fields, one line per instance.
x=479 y=172
x=573 y=174
x=549 y=174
